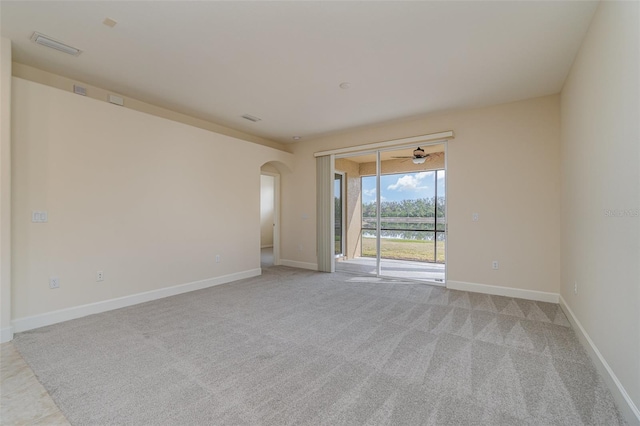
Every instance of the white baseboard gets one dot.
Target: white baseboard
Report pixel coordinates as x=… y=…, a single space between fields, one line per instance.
x=622 y=398
x=41 y=320
x=301 y=265
x=6 y=334
x=540 y=296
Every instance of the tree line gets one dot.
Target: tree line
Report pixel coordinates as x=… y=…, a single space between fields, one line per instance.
x=421 y=207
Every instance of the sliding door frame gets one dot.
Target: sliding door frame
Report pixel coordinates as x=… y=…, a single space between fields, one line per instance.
x=378 y=214
x=377 y=152
x=343 y=212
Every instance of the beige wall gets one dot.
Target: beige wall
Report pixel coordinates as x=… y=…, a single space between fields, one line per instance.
x=5 y=190
x=502 y=164
x=147 y=200
x=63 y=83
x=600 y=160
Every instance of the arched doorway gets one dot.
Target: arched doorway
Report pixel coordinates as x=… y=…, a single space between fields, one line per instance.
x=269 y=215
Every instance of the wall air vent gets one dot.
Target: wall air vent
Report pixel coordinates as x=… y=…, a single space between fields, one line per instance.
x=49 y=42
x=118 y=100
x=79 y=90
x=251 y=118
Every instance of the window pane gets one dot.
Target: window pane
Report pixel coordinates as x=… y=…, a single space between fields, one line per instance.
x=412 y=206
x=441 y=242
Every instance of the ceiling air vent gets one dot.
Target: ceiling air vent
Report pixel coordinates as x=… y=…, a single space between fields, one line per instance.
x=49 y=42
x=251 y=118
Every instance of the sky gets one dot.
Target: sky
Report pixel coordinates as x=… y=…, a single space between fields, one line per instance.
x=403 y=186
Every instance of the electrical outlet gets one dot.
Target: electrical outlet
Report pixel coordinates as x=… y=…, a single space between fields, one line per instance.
x=54 y=282
x=494 y=264
x=475 y=217
x=217 y=258
x=575 y=287
x=99 y=276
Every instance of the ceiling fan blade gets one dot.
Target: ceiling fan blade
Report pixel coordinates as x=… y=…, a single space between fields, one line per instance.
x=406 y=156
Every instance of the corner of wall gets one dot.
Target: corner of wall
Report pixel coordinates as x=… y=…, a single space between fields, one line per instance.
x=6 y=334
x=620 y=395
x=600 y=226
x=5 y=190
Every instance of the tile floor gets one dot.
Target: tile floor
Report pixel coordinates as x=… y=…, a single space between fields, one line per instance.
x=23 y=400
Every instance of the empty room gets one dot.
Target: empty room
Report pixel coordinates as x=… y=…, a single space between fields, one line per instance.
x=320 y=213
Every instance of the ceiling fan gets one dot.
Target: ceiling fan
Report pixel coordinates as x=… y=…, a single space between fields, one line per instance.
x=418 y=157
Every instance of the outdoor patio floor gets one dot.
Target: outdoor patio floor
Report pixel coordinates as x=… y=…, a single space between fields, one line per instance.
x=405 y=269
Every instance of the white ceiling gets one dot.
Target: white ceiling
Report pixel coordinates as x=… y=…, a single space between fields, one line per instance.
x=284 y=61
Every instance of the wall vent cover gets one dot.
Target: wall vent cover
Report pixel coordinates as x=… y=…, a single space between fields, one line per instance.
x=47 y=41
x=79 y=90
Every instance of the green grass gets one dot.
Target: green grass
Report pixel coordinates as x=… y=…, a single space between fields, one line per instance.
x=416 y=250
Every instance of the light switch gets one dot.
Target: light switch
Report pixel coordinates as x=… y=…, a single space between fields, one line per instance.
x=39 y=216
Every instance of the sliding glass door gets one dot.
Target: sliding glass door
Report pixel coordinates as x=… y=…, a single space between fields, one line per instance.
x=402 y=215
x=412 y=225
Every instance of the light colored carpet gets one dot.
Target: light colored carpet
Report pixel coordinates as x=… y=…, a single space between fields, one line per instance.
x=300 y=347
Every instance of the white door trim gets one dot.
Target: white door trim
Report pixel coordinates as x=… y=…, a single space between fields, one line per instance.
x=276 y=215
